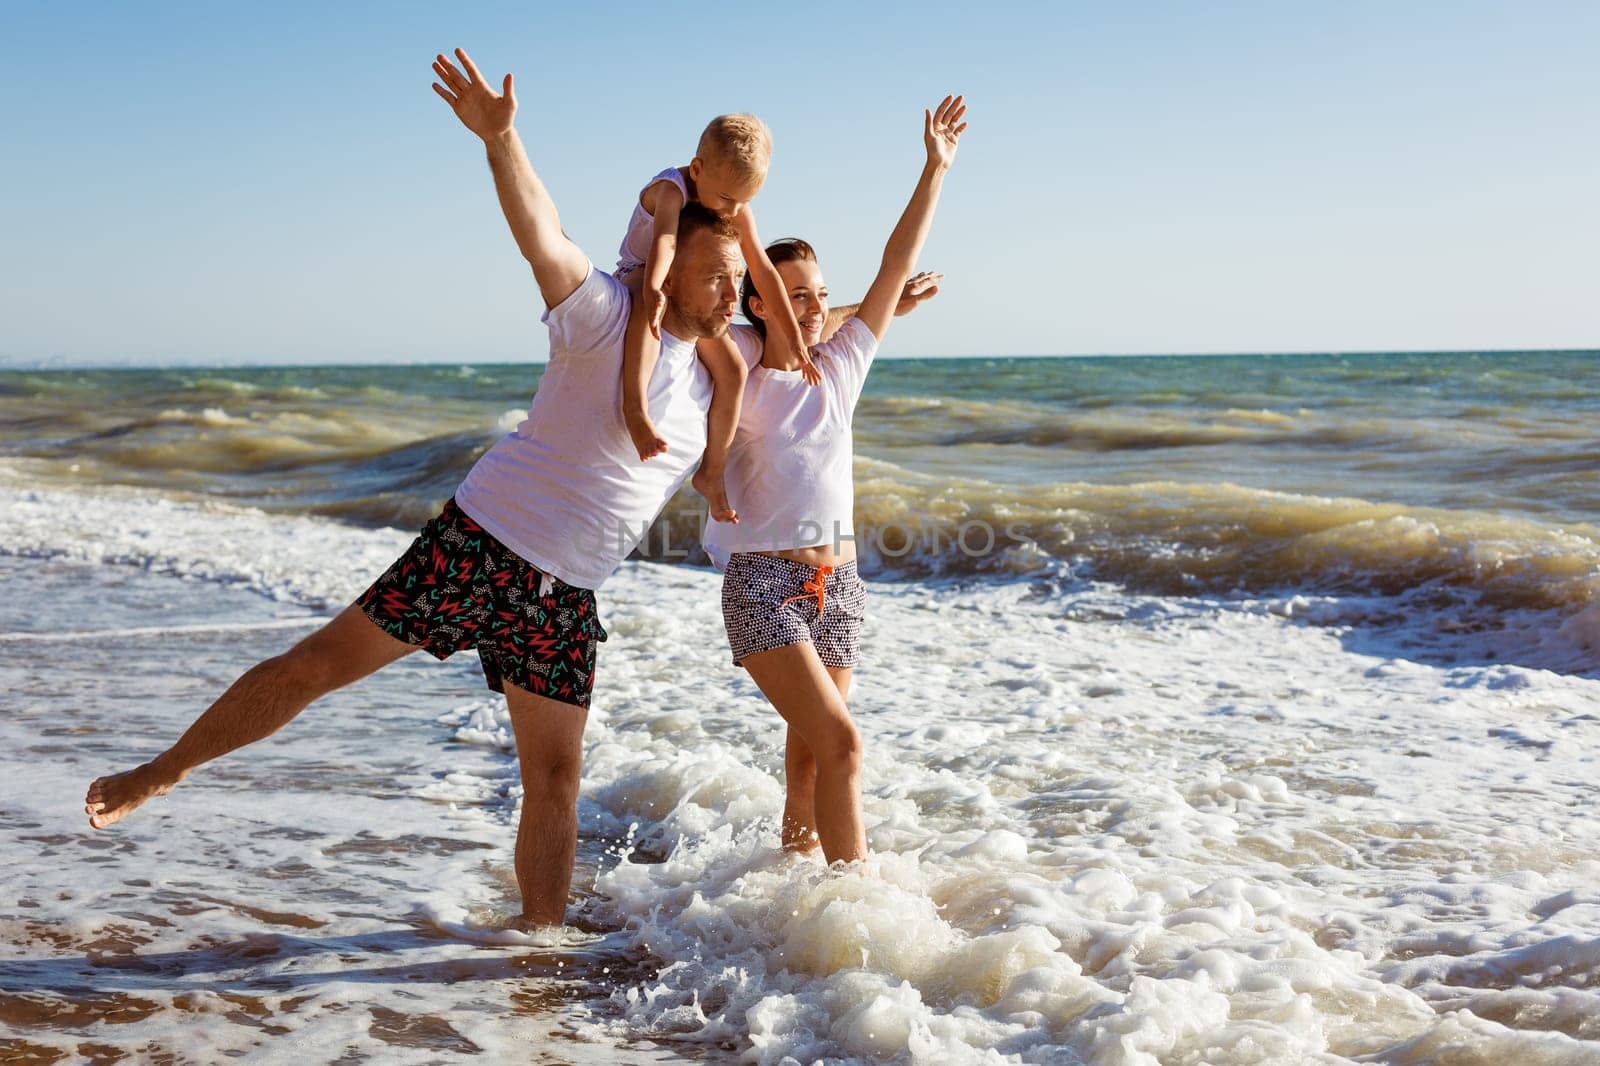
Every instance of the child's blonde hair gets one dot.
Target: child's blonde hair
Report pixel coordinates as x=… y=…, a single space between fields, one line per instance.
x=741 y=142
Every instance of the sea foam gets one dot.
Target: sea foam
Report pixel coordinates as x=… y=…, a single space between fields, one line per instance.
x=1106 y=827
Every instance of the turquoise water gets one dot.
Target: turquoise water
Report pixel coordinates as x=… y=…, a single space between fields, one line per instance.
x=1374 y=472
x=1509 y=432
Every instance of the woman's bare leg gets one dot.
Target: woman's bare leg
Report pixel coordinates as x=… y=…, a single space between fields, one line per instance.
x=800 y=779
x=799 y=686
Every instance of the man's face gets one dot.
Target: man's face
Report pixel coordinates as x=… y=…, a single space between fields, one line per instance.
x=702 y=287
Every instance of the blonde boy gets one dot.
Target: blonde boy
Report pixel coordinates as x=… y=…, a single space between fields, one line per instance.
x=729 y=168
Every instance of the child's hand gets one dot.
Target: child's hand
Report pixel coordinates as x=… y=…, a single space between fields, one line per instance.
x=655 y=305
x=808 y=368
x=942 y=129
x=481 y=109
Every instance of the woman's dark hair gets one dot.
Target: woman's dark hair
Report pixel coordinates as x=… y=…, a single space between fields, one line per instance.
x=785 y=251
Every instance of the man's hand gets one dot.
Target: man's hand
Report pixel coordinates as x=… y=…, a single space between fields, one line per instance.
x=481 y=109
x=919 y=289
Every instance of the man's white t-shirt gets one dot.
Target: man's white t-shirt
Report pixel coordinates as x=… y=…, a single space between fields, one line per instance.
x=790 y=471
x=566 y=489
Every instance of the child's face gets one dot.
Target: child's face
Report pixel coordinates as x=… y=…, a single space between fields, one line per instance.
x=718 y=188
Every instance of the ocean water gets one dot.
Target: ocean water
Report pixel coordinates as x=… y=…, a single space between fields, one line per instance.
x=1217 y=710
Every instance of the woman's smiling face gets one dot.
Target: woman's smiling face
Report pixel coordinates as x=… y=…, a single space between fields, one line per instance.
x=808 y=295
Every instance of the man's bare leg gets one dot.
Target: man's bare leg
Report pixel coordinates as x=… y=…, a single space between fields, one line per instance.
x=265 y=699
x=800 y=780
x=550 y=755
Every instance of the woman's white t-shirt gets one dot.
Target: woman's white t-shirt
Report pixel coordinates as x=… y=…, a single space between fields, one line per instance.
x=789 y=472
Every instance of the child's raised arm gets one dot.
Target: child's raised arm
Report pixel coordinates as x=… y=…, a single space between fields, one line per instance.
x=783 y=328
x=663 y=246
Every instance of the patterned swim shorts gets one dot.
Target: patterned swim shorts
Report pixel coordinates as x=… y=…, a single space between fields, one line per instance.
x=458 y=587
x=768 y=602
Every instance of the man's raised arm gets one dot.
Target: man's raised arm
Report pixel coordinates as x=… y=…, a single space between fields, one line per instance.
x=919 y=289
x=559 y=266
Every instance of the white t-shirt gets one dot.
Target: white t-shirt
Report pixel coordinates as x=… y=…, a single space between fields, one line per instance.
x=635 y=250
x=790 y=473
x=566 y=489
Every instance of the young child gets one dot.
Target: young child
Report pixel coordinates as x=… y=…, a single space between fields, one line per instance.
x=729 y=168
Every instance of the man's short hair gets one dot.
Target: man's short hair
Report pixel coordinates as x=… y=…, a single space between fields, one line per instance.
x=741 y=142
x=694 y=217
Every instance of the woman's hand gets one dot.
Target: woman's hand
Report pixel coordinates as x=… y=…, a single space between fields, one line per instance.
x=481 y=109
x=942 y=129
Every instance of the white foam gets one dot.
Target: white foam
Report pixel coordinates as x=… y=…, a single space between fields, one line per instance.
x=1106 y=828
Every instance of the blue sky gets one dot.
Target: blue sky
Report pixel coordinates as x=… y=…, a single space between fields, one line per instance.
x=277 y=183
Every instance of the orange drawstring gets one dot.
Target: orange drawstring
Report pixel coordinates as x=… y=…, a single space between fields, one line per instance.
x=817 y=586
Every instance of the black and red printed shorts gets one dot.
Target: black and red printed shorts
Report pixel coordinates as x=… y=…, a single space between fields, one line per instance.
x=457 y=587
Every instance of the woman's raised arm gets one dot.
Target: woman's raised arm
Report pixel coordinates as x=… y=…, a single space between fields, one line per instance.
x=941 y=132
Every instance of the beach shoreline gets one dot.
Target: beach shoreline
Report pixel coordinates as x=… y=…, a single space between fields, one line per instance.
x=1127 y=799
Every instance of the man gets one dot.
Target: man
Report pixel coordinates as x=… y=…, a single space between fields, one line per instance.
x=545 y=516
x=542 y=519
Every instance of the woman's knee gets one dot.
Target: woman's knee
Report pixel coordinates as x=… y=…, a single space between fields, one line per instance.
x=839 y=749
x=798 y=755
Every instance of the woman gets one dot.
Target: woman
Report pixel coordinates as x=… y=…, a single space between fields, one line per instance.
x=792 y=600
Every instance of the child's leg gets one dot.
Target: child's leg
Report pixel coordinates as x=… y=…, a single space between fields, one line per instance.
x=639 y=354
x=728 y=374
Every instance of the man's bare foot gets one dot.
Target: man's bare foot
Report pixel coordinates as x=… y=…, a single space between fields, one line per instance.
x=709 y=483
x=645 y=438
x=113 y=798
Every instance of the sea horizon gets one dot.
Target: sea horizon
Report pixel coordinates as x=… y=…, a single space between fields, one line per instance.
x=8 y=363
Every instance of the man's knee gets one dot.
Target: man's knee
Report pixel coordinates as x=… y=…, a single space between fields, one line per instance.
x=552 y=781
x=320 y=663
x=306 y=670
